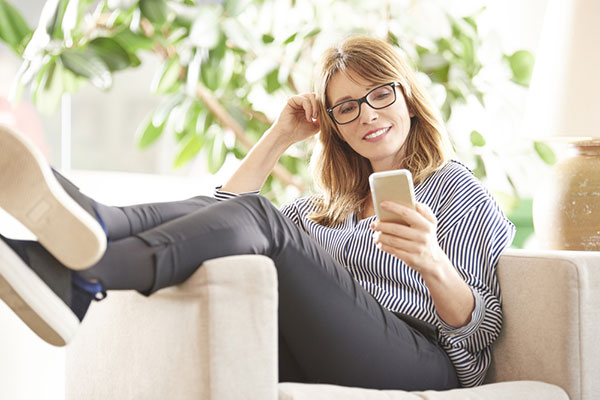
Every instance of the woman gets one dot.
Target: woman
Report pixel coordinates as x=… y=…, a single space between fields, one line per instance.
x=363 y=303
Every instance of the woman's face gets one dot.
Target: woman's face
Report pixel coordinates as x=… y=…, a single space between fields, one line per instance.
x=377 y=135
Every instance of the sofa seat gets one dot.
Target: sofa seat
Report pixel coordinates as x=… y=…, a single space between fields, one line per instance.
x=522 y=390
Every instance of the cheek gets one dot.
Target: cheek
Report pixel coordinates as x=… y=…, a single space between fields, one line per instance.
x=345 y=134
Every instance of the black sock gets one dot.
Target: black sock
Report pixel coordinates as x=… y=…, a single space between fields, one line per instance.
x=113 y=221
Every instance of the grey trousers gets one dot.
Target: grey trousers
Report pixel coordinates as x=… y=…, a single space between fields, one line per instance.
x=331 y=330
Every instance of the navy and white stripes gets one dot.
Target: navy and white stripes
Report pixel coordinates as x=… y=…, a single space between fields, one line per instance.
x=472 y=230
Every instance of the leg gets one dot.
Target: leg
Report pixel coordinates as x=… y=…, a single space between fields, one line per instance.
x=331 y=329
x=121 y=222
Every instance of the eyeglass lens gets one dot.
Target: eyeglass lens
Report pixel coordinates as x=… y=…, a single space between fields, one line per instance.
x=379 y=98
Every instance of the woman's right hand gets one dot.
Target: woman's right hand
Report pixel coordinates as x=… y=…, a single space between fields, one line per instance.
x=298 y=120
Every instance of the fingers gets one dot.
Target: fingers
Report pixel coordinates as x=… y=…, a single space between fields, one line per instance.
x=315 y=107
x=392 y=228
x=413 y=218
x=420 y=224
x=306 y=102
x=392 y=241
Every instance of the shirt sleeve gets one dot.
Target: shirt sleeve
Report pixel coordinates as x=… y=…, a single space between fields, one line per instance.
x=474 y=244
x=223 y=195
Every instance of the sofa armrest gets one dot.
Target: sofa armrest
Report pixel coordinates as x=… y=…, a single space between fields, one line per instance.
x=551 y=304
x=212 y=337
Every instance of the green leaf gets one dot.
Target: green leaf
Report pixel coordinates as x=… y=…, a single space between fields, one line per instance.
x=291 y=38
x=87 y=64
x=180 y=116
x=471 y=22
x=545 y=152
x=111 y=52
x=521 y=64
x=190 y=149
x=164 y=110
x=48 y=93
x=134 y=61
x=468 y=56
x=393 y=39
x=227 y=67
x=312 y=33
x=13 y=28
x=217 y=150
x=267 y=38
x=155 y=10
x=191 y=120
x=55 y=27
x=272 y=81
x=431 y=62
x=148 y=133
x=71 y=82
x=133 y=42
x=166 y=77
x=479 y=170
x=234 y=7
x=211 y=76
x=477 y=139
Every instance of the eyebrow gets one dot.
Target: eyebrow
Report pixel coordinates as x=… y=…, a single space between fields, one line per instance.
x=342 y=99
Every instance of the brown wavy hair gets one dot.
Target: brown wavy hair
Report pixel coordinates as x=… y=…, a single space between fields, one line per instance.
x=340 y=172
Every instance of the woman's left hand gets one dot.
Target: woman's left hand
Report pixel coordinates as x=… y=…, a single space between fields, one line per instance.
x=414 y=242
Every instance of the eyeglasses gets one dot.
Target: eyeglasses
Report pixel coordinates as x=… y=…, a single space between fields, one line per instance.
x=347 y=111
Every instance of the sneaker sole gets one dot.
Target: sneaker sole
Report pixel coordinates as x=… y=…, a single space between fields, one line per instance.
x=31 y=194
x=33 y=301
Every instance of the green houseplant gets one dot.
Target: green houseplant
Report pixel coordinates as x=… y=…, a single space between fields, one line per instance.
x=226 y=67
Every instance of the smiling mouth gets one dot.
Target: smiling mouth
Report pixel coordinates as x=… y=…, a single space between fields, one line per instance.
x=377 y=133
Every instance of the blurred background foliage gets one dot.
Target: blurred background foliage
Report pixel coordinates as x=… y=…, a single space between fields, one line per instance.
x=227 y=67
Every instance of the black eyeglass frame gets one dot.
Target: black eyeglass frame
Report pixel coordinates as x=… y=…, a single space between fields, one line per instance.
x=363 y=100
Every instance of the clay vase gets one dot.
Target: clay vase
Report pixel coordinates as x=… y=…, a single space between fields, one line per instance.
x=566 y=212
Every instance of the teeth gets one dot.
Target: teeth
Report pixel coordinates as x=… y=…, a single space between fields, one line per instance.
x=376 y=133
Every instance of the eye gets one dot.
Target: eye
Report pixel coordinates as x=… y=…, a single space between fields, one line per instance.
x=381 y=94
x=347 y=108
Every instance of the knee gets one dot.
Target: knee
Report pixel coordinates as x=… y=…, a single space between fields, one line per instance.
x=259 y=207
x=255 y=202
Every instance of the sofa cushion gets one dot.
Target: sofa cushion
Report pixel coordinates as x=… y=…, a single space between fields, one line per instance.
x=522 y=390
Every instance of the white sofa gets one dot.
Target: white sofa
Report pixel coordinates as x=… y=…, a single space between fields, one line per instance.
x=215 y=337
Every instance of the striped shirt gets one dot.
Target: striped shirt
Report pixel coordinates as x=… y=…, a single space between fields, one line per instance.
x=472 y=231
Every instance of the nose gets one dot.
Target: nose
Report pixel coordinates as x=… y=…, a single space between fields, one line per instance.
x=367 y=113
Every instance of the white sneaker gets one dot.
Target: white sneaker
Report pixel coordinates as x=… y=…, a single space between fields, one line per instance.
x=30 y=193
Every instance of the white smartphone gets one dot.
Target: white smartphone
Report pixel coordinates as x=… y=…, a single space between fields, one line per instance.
x=397 y=186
